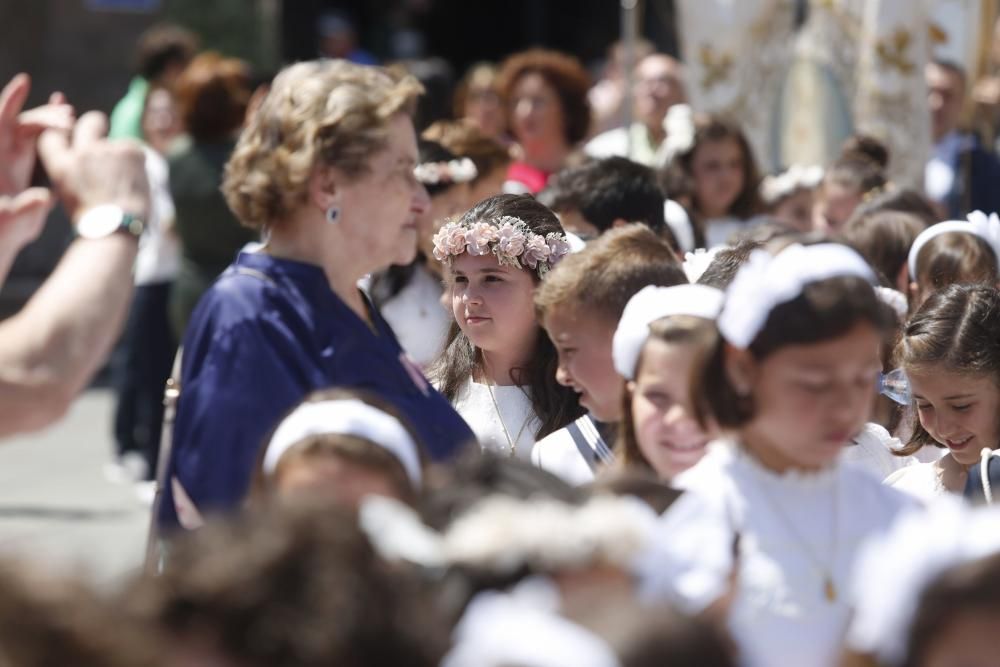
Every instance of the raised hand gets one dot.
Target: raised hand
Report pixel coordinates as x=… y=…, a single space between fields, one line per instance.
x=20 y=130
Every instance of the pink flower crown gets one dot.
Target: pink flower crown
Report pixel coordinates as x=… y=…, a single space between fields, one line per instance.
x=508 y=238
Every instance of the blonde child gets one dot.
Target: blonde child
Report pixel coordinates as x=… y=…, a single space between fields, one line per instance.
x=498 y=367
x=579 y=306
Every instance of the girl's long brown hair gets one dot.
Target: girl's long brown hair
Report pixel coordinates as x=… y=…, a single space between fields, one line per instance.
x=555 y=405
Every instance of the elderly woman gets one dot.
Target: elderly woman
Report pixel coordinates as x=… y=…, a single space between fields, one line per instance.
x=325 y=170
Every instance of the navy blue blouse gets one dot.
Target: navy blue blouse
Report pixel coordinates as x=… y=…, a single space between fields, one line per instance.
x=267 y=333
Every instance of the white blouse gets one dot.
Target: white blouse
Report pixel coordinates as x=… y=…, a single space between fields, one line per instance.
x=921 y=480
x=417 y=317
x=474 y=403
x=796 y=531
x=873 y=450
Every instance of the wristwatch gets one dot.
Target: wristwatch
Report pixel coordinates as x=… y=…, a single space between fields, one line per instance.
x=106 y=219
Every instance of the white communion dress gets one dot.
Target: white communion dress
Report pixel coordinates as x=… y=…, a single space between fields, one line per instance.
x=783 y=545
x=492 y=422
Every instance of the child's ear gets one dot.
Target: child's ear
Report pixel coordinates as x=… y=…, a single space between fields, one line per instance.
x=619 y=222
x=741 y=369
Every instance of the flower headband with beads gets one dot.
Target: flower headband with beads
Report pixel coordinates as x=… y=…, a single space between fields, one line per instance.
x=461 y=170
x=507 y=238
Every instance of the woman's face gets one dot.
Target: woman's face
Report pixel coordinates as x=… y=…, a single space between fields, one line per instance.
x=960 y=411
x=493 y=304
x=380 y=209
x=536 y=114
x=717 y=169
x=160 y=122
x=666 y=430
x=809 y=400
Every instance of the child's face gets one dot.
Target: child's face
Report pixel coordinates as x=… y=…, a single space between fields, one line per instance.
x=493 y=304
x=962 y=412
x=796 y=211
x=583 y=342
x=809 y=400
x=717 y=169
x=834 y=206
x=970 y=640
x=667 y=433
x=333 y=478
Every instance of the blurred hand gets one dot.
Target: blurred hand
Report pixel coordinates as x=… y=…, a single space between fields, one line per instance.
x=23 y=217
x=90 y=170
x=20 y=130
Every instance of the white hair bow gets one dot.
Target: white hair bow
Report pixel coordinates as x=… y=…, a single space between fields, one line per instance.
x=766 y=281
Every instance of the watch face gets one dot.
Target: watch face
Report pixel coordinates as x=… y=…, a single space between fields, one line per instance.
x=100 y=221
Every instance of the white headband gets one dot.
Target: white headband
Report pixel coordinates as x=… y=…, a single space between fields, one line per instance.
x=524 y=628
x=650 y=304
x=977 y=224
x=766 y=281
x=345 y=417
x=894 y=568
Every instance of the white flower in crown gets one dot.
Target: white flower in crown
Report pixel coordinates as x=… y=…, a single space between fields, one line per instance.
x=987 y=228
x=462 y=170
x=796 y=177
x=679 y=126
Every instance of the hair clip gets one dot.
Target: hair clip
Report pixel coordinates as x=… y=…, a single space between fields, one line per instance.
x=895 y=386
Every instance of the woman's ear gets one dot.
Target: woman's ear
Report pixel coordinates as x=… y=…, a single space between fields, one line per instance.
x=323 y=188
x=741 y=369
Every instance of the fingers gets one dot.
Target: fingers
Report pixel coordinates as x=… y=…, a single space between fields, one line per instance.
x=47 y=117
x=91 y=128
x=55 y=153
x=12 y=100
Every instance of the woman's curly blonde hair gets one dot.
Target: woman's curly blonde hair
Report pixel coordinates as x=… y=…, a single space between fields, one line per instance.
x=328 y=112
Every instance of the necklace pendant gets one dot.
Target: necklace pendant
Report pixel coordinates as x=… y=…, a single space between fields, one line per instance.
x=829 y=590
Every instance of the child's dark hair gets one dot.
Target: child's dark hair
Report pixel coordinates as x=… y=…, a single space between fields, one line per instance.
x=554 y=404
x=703 y=336
x=958 y=329
x=902 y=200
x=607 y=190
x=726 y=263
x=825 y=310
x=678 y=180
x=601 y=278
x=861 y=166
x=968 y=589
x=883 y=238
x=955 y=257
x=291 y=586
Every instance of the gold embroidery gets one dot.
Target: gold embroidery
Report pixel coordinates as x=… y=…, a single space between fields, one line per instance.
x=893 y=51
x=717 y=66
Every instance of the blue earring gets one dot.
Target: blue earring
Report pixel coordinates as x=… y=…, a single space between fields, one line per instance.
x=333 y=215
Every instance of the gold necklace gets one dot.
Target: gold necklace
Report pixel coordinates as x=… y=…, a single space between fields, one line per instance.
x=825 y=570
x=512 y=444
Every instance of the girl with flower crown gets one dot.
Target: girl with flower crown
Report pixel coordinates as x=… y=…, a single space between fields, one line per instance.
x=498 y=368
